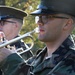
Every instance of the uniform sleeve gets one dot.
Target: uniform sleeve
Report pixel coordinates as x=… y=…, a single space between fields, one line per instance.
x=14 y=65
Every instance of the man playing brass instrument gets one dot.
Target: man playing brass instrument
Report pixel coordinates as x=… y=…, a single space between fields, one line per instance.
x=11 y=21
x=56 y=20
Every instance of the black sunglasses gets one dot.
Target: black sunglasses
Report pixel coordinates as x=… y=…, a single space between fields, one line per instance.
x=2 y=22
x=44 y=18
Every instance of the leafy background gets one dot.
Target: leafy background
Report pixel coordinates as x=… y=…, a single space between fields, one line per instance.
x=29 y=22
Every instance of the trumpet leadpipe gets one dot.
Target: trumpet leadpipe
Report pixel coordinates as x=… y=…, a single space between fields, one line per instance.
x=3 y=44
x=16 y=39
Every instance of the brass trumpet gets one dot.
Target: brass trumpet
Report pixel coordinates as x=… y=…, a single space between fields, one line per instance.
x=28 y=34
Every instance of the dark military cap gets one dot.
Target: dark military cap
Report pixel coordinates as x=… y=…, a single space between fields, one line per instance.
x=11 y=12
x=55 y=6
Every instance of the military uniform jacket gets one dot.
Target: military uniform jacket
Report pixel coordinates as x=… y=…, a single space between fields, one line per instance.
x=62 y=62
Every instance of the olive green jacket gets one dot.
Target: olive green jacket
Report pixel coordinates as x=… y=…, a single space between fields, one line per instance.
x=62 y=62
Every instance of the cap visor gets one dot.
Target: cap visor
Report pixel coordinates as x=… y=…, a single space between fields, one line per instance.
x=43 y=12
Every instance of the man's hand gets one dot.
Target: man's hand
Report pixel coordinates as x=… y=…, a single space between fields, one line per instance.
x=4 y=53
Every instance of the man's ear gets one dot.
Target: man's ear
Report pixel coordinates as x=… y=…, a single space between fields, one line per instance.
x=68 y=24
